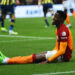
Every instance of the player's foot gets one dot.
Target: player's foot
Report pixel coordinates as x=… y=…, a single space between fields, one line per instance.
x=2 y=57
x=3 y=29
x=11 y=32
x=69 y=26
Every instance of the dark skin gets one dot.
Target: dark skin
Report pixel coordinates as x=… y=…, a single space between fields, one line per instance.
x=58 y=21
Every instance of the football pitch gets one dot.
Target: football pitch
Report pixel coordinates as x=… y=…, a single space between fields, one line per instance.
x=33 y=37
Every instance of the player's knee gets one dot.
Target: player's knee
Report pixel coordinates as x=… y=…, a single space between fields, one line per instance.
x=12 y=16
x=3 y=17
x=50 y=54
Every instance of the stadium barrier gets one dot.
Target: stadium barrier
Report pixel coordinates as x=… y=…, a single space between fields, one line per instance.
x=33 y=11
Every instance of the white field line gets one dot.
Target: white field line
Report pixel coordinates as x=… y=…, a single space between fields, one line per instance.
x=56 y=73
x=10 y=41
x=31 y=37
x=27 y=38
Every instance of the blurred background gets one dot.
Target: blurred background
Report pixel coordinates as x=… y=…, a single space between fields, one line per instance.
x=29 y=8
x=34 y=2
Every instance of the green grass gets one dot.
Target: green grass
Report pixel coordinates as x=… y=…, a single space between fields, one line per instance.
x=12 y=46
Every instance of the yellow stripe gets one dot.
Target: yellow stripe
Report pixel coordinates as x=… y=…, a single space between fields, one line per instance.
x=13 y=1
x=4 y=2
x=12 y=23
x=1 y=2
x=7 y=2
x=46 y=1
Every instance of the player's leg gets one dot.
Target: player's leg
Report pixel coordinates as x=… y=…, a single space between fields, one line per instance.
x=12 y=15
x=3 y=18
x=50 y=6
x=68 y=18
x=12 y=22
x=21 y=60
x=34 y=58
x=72 y=6
x=0 y=13
x=52 y=13
x=2 y=23
x=73 y=12
x=12 y=25
x=3 y=15
x=17 y=60
x=66 y=5
x=45 y=9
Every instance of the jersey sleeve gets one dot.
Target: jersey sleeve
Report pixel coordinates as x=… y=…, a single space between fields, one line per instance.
x=56 y=46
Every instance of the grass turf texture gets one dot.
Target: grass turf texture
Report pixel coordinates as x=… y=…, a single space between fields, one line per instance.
x=12 y=46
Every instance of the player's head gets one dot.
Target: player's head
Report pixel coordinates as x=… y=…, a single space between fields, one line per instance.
x=59 y=18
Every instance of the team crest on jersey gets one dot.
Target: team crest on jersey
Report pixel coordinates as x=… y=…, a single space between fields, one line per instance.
x=63 y=33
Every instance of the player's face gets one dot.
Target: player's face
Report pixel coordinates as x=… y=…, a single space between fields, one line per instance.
x=56 y=19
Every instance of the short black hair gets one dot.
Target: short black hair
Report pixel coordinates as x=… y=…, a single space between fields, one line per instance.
x=62 y=14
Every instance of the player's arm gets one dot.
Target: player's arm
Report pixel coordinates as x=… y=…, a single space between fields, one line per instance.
x=61 y=51
x=56 y=46
x=39 y=3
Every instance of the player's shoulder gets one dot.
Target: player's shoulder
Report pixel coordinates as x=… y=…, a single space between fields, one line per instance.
x=63 y=31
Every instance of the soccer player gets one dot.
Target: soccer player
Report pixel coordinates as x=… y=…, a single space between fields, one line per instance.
x=61 y=53
x=47 y=6
x=69 y=4
x=8 y=7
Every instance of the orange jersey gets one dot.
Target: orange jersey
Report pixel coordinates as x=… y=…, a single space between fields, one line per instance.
x=64 y=35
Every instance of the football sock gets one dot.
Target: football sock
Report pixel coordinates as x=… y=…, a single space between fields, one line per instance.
x=12 y=24
x=68 y=19
x=73 y=13
x=2 y=23
x=46 y=21
x=22 y=60
x=11 y=27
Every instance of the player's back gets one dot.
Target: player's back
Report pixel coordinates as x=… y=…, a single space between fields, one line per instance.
x=8 y=2
x=47 y=1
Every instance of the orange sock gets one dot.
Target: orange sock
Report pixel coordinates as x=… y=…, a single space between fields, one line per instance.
x=68 y=19
x=21 y=60
x=73 y=13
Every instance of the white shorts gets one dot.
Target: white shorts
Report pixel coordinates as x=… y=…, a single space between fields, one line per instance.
x=51 y=53
x=68 y=4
